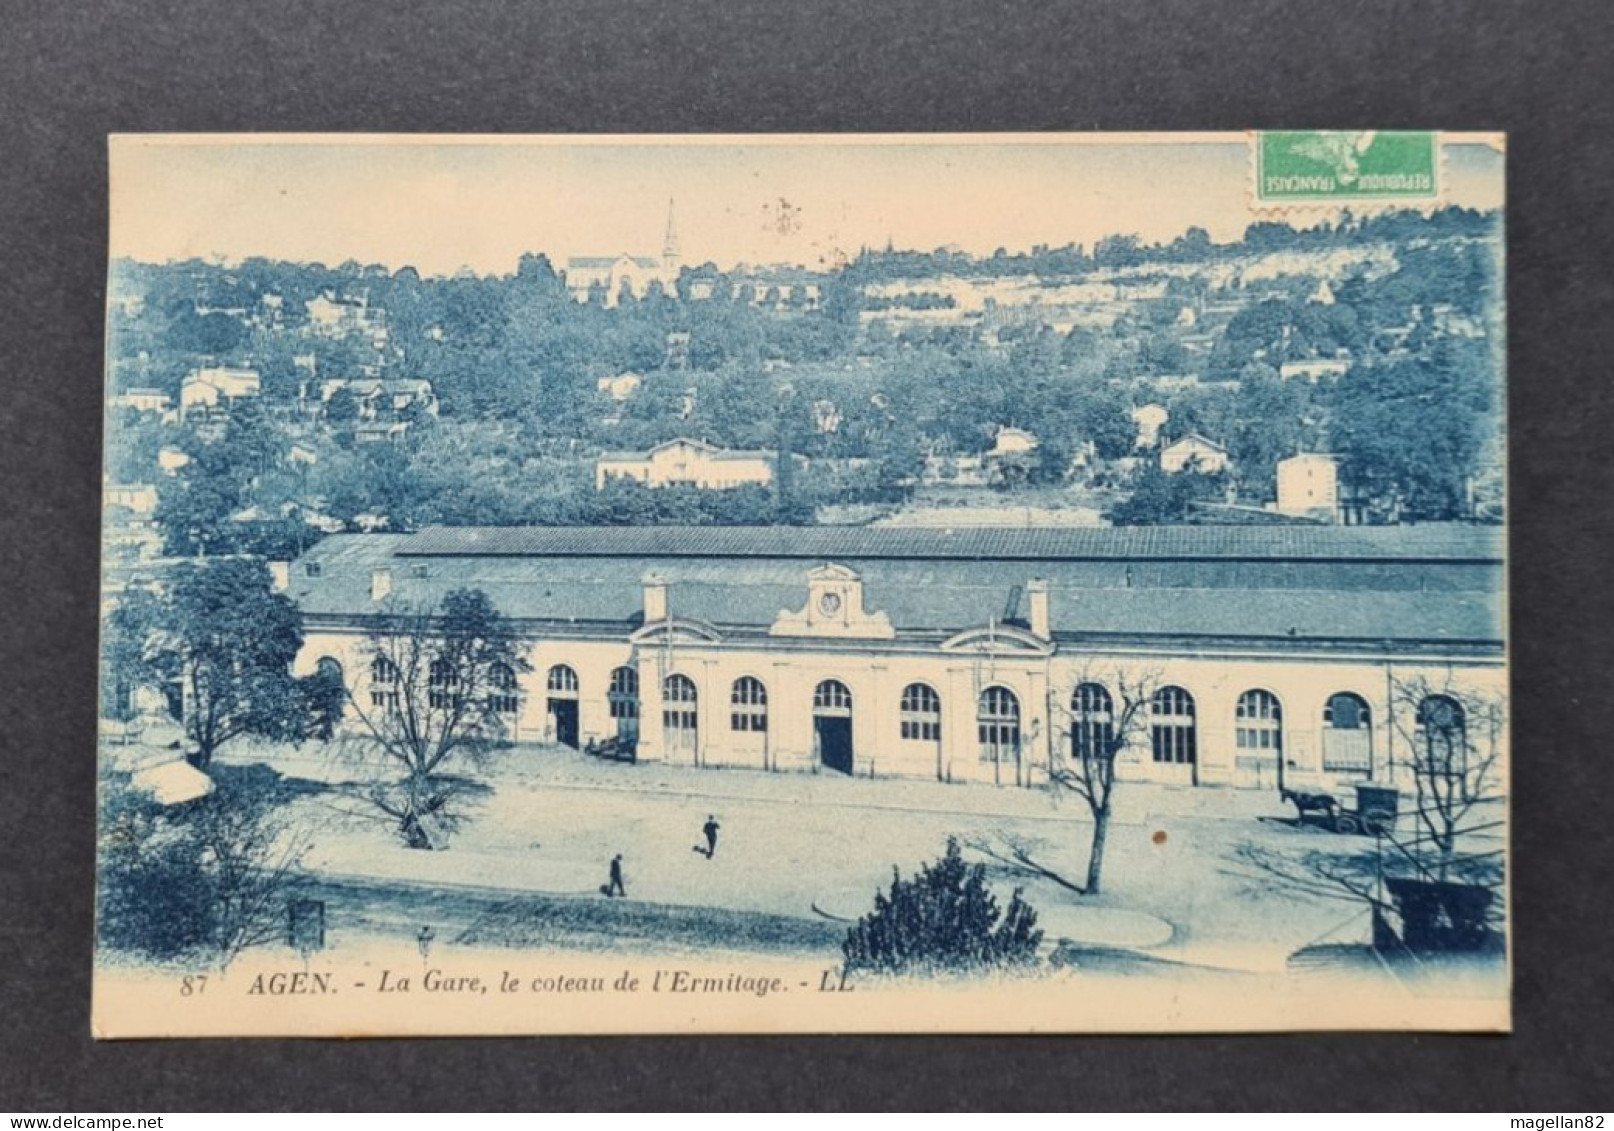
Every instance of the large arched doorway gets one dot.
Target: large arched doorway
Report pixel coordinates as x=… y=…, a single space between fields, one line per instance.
x=998 y=718
x=563 y=704
x=680 y=717
x=1258 y=725
x=623 y=699
x=1092 y=726
x=1347 y=734
x=1174 y=735
x=921 y=721
x=832 y=726
x=1440 y=754
x=329 y=670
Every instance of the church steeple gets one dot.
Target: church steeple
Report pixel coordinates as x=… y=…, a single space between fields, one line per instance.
x=669 y=248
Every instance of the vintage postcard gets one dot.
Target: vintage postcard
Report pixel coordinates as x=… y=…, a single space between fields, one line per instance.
x=1024 y=583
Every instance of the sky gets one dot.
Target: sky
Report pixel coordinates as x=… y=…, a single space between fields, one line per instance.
x=442 y=204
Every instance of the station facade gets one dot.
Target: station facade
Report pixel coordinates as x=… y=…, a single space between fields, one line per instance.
x=1294 y=657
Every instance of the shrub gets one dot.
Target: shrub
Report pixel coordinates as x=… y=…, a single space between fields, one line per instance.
x=202 y=881
x=945 y=918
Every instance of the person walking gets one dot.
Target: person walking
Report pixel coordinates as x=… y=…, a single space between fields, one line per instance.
x=710 y=829
x=615 y=886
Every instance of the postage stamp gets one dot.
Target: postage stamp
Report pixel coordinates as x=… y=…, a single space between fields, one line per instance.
x=1297 y=166
x=802 y=584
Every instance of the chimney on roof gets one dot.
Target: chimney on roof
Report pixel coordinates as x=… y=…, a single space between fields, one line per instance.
x=280 y=576
x=655 y=599
x=1037 y=597
x=380 y=584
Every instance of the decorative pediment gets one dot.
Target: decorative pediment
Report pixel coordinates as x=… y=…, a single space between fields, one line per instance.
x=834 y=609
x=998 y=639
x=676 y=630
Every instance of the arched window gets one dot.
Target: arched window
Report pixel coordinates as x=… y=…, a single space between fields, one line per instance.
x=678 y=703
x=1173 y=732
x=1442 y=737
x=623 y=697
x=1259 y=719
x=921 y=713
x=442 y=685
x=331 y=669
x=998 y=717
x=503 y=693
x=383 y=684
x=748 y=702
x=832 y=698
x=1092 y=723
x=562 y=682
x=1347 y=734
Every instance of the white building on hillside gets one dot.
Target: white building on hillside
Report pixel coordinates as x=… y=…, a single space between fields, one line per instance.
x=337 y=316
x=621 y=387
x=205 y=390
x=139 y=498
x=688 y=463
x=1193 y=452
x=1315 y=369
x=1150 y=419
x=1308 y=484
x=612 y=275
x=143 y=400
x=1013 y=442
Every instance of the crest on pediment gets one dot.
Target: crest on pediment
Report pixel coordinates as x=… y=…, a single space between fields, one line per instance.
x=834 y=608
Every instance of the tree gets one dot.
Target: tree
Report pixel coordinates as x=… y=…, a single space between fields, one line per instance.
x=1453 y=736
x=342 y=409
x=1410 y=432
x=1160 y=497
x=1102 y=724
x=944 y=919
x=222 y=634
x=1438 y=870
x=207 y=879
x=442 y=688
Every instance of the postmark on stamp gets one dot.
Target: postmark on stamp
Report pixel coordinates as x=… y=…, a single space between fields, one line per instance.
x=1330 y=166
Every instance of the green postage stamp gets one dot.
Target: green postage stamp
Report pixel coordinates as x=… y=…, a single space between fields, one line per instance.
x=1334 y=165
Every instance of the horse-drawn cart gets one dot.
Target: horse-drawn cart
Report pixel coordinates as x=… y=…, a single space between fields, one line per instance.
x=1374 y=812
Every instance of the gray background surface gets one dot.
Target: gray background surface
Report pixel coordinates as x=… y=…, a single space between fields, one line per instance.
x=70 y=74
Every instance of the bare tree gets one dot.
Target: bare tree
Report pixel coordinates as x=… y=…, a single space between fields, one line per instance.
x=1448 y=849
x=1454 y=736
x=1110 y=711
x=442 y=691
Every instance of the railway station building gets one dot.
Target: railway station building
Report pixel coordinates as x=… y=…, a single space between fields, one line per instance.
x=1271 y=656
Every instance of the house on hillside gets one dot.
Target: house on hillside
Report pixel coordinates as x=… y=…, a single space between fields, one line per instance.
x=170 y=459
x=138 y=498
x=376 y=398
x=339 y=316
x=208 y=390
x=688 y=463
x=1149 y=419
x=620 y=387
x=1315 y=369
x=1308 y=484
x=1194 y=453
x=612 y=276
x=143 y=400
